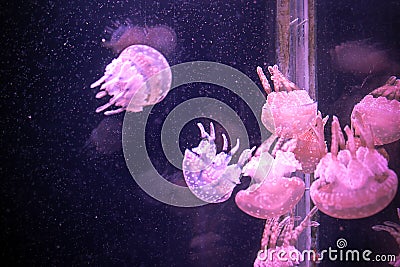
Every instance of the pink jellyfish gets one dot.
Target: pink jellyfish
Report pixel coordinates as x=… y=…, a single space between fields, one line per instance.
x=381 y=110
x=208 y=174
x=272 y=192
x=288 y=111
x=139 y=77
x=353 y=183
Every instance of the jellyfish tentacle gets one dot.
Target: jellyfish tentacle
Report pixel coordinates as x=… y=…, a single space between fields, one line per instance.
x=281 y=83
x=245 y=156
x=318 y=130
x=225 y=142
x=280 y=235
x=350 y=141
x=115 y=111
x=101 y=94
x=203 y=132
x=394 y=230
x=212 y=131
x=278 y=230
x=264 y=81
x=235 y=148
x=394 y=225
x=265 y=240
x=99 y=81
x=306 y=222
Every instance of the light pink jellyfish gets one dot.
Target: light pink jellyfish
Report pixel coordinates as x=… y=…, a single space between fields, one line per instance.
x=291 y=113
x=288 y=111
x=381 y=110
x=353 y=183
x=160 y=37
x=139 y=77
x=207 y=174
x=279 y=239
x=272 y=191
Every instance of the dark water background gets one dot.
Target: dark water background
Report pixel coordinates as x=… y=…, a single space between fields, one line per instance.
x=67 y=198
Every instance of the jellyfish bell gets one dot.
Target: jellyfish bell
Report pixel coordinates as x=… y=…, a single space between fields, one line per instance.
x=288 y=111
x=273 y=192
x=381 y=110
x=359 y=57
x=363 y=58
x=353 y=182
x=139 y=77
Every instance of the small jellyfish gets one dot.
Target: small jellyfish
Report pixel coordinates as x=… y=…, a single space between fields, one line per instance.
x=288 y=111
x=381 y=109
x=139 y=77
x=106 y=137
x=361 y=57
x=208 y=174
x=160 y=37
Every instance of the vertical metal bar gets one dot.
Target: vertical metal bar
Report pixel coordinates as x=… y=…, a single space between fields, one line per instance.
x=296 y=59
x=283 y=35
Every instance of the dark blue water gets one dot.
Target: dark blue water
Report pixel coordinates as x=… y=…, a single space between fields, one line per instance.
x=64 y=203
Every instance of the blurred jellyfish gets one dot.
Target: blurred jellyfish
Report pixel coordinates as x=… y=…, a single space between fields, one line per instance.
x=359 y=57
x=106 y=138
x=161 y=37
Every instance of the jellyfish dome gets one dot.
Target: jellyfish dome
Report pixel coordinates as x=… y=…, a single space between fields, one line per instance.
x=353 y=183
x=273 y=192
x=381 y=109
x=139 y=77
x=289 y=111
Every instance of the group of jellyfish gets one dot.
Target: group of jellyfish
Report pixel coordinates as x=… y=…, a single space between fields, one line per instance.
x=353 y=179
